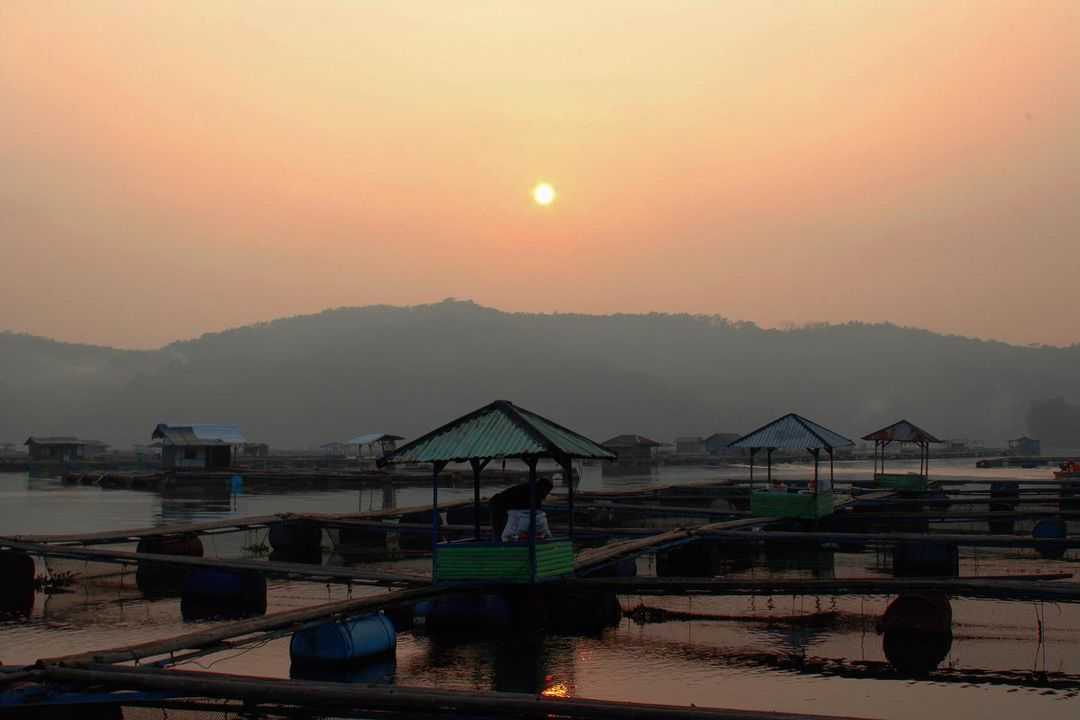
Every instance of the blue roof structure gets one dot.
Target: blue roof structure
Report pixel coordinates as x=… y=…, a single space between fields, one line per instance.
x=792 y=432
x=198 y=435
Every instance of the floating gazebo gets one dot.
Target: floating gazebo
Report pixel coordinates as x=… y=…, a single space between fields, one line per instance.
x=500 y=431
x=902 y=432
x=792 y=432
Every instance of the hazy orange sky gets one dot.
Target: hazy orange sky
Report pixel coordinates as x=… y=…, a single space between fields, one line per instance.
x=168 y=169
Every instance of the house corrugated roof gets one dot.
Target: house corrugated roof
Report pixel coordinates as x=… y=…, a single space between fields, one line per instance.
x=792 y=432
x=62 y=440
x=198 y=435
x=902 y=431
x=626 y=441
x=498 y=430
x=371 y=438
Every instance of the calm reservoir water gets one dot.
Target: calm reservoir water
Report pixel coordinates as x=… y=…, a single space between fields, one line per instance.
x=821 y=654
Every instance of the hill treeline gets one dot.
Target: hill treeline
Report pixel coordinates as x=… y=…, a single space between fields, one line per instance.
x=306 y=380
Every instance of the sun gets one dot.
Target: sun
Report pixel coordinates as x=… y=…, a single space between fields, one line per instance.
x=543 y=194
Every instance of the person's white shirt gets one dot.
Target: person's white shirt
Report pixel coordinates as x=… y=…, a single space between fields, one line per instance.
x=517 y=526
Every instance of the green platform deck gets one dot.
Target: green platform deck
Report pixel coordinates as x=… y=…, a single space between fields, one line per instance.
x=900 y=481
x=805 y=506
x=502 y=562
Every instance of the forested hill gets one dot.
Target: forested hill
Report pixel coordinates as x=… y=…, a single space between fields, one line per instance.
x=311 y=379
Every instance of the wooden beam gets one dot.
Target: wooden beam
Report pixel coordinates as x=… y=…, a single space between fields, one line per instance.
x=265 y=567
x=963 y=587
x=277 y=621
x=453 y=703
x=107 y=537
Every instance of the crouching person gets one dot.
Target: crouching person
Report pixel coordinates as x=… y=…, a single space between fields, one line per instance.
x=510 y=512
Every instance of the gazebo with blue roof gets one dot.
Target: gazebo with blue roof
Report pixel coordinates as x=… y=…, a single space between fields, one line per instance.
x=792 y=432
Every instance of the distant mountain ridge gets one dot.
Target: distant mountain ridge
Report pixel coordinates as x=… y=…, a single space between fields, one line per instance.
x=305 y=380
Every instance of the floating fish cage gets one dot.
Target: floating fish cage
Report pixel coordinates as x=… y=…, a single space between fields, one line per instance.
x=802 y=506
x=900 y=481
x=503 y=562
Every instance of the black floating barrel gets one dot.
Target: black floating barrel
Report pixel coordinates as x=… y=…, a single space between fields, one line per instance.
x=452 y=613
x=296 y=541
x=926 y=559
x=223 y=593
x=917 y=631
x=1004 y=497
x=16 y=583
x=156 y=579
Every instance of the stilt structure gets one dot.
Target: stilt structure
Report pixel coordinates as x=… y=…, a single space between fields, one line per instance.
x=500 y=431
x=792 y=432
x=901 y=432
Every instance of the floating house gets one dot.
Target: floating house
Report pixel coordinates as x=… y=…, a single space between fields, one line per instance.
x=254 y=450
x=690 y=445
x=374 y=445
x=198 y=447
x=500 y=431
x=902 y=432
x=632 y=449
x=63 y=449
x=719 y=444
x=1024 y=446
x=792 y=432
x=335 y=449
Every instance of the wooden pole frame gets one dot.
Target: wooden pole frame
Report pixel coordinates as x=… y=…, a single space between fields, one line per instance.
x=568 y=473
x=436 y=468
x=531 y=462
x=477 y=466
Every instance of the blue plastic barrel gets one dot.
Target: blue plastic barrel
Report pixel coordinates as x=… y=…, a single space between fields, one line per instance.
x=1051 y=536
x=344 y=640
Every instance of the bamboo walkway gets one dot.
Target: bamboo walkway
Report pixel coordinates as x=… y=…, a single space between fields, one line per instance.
x=890 y=538
x=592 y=559
x=995 y=589
x=252 y=628
x=410 y=701
x=298 y=571
x=228 y=525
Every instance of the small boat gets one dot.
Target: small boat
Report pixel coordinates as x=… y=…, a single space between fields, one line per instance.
x=1070 y=470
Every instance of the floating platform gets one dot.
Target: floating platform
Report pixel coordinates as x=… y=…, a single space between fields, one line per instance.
x=801 y=506
x=502 y=562
x=901 y=481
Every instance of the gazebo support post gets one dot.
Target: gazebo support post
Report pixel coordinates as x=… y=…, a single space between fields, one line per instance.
x=768 y=467
x=830 y=451
x=568 y=473
x=753 y=452
x=531 y=462
x=477 y=466
x=436 y=468
x=815 y=452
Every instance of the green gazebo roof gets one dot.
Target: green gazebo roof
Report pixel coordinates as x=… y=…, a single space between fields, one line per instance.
x=496 y=431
